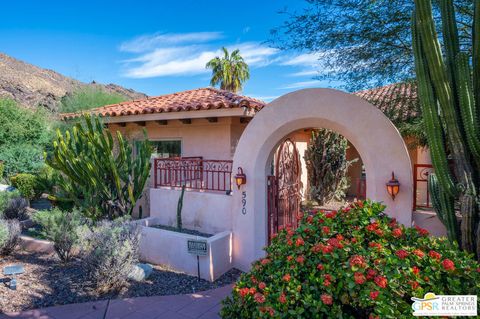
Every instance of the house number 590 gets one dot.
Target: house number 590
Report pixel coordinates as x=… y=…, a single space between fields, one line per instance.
x=244 y=202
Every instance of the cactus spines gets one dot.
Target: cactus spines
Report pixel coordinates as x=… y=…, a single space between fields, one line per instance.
x=448 y=98
x=97 y=173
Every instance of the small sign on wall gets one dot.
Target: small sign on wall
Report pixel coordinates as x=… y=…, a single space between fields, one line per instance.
x=197 y=247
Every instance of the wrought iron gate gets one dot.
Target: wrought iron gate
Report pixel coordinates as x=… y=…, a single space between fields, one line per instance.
x=283 y=192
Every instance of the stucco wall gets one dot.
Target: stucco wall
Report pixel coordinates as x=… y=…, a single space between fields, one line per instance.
x=200 y=138
x=202 y=211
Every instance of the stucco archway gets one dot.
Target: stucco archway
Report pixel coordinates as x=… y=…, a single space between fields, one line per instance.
x=379 y=143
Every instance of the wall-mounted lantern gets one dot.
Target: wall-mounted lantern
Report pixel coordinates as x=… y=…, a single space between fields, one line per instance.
x=393 y=186
x=240 y=178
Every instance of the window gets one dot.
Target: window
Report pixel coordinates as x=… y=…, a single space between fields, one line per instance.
x=167 y=148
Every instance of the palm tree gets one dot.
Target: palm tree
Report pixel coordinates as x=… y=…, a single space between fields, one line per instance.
x=230 y=71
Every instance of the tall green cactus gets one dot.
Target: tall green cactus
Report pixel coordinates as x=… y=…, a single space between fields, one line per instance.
x=446 y=82
x=179 y=208
x=99 y=173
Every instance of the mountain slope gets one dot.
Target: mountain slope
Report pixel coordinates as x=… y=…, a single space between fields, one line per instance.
x=33 y=86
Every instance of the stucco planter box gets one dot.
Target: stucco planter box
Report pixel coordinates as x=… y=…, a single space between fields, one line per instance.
x=165 y=247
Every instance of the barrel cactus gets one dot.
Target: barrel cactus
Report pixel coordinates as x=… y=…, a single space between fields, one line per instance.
x=449 y=90
x=99 y=173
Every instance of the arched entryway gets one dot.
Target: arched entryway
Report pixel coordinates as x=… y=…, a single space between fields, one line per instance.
x=376 y=139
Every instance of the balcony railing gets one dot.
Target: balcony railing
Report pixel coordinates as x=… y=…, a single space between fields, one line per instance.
x=193 y=172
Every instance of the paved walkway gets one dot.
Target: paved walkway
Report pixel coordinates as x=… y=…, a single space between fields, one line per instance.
x=202 y=305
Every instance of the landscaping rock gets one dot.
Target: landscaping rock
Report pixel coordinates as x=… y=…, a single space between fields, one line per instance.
x=140 y=272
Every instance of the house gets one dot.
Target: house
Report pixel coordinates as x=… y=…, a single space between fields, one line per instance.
x=199 y=129
x=197 y=135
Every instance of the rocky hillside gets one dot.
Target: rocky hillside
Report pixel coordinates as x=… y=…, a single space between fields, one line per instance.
x=32 y=86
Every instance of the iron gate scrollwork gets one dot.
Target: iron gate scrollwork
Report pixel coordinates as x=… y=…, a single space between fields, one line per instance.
x=284 y=187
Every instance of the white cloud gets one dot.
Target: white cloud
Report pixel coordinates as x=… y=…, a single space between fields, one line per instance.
x=185 y=54
x=146 y=43
x=299 y=85
x=307 y=59
x=305 y=73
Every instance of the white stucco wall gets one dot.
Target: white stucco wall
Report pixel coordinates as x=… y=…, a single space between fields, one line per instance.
x=378 y=142
x=163 y=247
x=203 y=211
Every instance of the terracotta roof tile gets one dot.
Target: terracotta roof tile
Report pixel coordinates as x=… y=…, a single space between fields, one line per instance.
x=398 y=101
x=192 y=100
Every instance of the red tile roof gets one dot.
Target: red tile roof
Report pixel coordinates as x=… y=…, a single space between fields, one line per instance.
x=397 y=101
x=192 y=100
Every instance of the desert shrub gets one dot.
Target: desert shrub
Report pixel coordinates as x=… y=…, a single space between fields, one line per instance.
x=354 y=263
x=25 y=183
x=46 y=180
x=88 y=98
x=63 y=228
x=110 y=252
x=13 y=231
x=327 y=165
x=5 y=198
x=3 y=233
x=16 y=208
x=24 y=134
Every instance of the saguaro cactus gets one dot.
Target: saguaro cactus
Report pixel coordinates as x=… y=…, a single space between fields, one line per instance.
x=451 y=113
x=98 y=172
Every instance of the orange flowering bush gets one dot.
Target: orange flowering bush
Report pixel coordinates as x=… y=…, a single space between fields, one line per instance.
x=354 y=263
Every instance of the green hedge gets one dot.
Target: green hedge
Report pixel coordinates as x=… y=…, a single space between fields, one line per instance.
x=354 y=263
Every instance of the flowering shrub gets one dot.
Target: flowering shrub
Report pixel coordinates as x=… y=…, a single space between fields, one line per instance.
x=354 y=263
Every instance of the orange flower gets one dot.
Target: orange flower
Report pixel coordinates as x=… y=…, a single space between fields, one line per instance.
x=371 y=273
x=262 y=285
x=397 y=232
x=401 y=253
x=359 y=278
x=287 y=277
x=244 y=291
x=282 y=298
x=414 y=284
x=320 y=267
x=415 y=270
x=448 y=264
x=357 y=260
x=326 y=299
x=374 y=295
x=299 y=242
x=381 y=281
x=326 y=230
x=331 y=214
x=300 y=259
x=433 y=254
x=419 y=253
x=265 y=261
x=259 y=298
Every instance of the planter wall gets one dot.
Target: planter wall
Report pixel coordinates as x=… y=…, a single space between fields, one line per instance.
x=203 y=211
x=429 y=221
x=159 y=246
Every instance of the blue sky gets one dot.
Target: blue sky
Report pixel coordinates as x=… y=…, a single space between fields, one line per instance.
x=155 y=47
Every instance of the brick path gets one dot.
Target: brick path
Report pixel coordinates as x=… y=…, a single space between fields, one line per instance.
x=202 y=305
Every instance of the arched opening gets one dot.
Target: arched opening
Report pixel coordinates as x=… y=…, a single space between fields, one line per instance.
x=376 y=139
x=312 y=168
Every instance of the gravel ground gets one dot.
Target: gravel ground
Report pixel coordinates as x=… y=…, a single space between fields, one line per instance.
x=46 y=282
